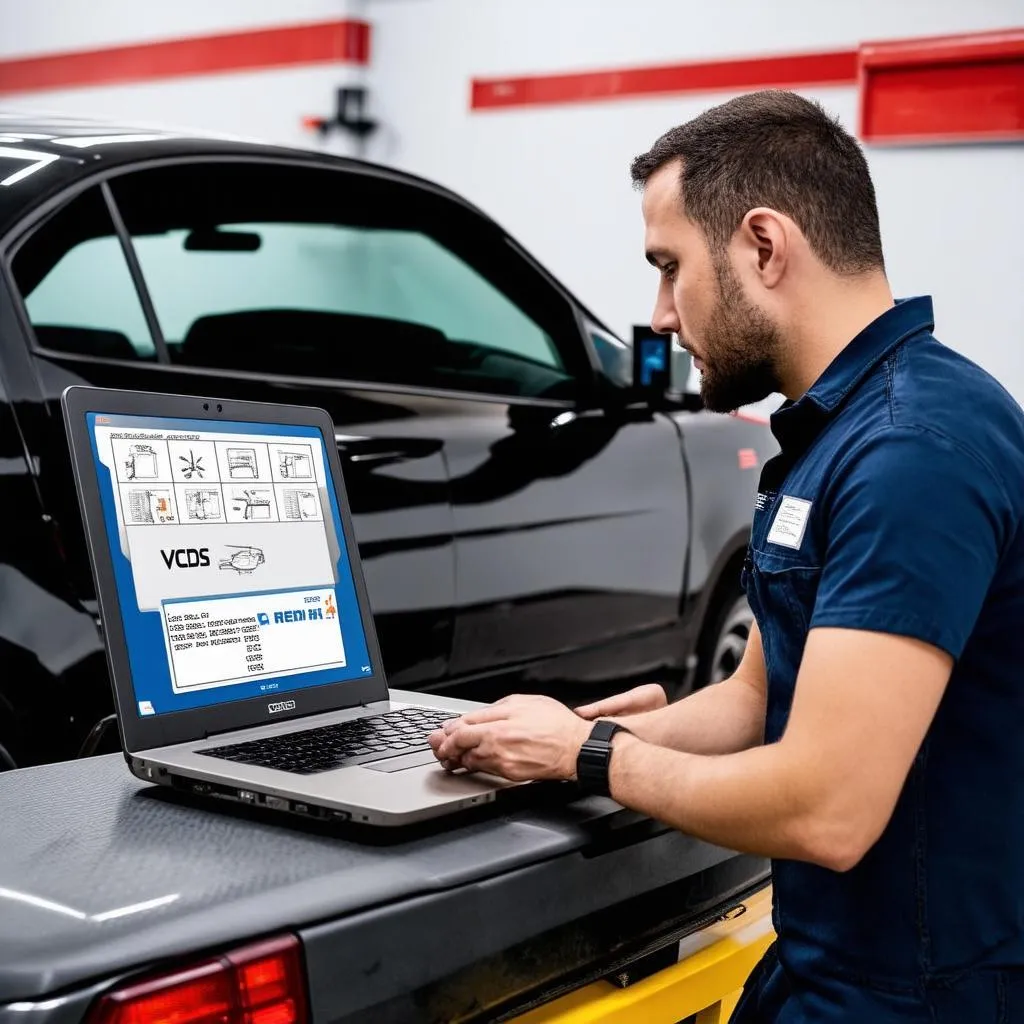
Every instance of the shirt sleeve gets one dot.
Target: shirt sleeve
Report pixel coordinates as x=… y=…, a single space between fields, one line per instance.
x=915 y=530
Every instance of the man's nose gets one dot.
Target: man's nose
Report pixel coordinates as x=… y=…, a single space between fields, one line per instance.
x=665 y=320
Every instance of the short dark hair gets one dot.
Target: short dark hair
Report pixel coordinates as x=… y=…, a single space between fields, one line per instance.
x=776 y=149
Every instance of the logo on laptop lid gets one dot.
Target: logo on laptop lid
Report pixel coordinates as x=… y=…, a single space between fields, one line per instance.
x=281 y=705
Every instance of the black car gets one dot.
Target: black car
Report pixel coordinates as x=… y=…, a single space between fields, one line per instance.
x=528 y=520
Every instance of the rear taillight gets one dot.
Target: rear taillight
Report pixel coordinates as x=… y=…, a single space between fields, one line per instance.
x=258 y=984
x=269 y=982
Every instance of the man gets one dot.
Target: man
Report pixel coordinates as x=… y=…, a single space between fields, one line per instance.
x=872 y=740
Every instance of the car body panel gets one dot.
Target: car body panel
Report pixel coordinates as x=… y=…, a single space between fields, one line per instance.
x=571 y=546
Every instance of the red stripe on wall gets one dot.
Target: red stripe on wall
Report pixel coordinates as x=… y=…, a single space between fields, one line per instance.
x=794 y=70
x=323 y=42
x=948 y=89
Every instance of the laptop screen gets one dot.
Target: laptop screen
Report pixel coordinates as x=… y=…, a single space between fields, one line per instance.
x=229 y=557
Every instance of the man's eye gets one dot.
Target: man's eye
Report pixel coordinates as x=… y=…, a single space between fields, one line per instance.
x=668 y=271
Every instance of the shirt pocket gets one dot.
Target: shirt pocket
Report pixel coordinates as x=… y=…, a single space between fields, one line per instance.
x=787 y=586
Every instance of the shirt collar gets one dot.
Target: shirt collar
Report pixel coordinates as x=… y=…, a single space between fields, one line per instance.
x=820 y=402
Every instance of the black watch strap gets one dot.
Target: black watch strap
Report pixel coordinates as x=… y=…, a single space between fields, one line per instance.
x=595 y=757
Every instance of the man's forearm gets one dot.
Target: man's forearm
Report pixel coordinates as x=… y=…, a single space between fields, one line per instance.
x=719 y=719
x=756 y=801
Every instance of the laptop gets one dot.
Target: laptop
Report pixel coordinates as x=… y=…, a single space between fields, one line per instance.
x=239 y=637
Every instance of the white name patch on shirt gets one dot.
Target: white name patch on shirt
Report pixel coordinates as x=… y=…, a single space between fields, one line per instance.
x=790 y=522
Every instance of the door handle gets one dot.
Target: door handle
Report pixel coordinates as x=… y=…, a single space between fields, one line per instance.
x=383 y=456
x=369 y=451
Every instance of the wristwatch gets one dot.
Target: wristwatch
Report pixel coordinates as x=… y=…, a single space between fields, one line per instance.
x=595 y=758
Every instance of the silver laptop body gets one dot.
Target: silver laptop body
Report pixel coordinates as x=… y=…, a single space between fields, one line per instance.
x=235 y=613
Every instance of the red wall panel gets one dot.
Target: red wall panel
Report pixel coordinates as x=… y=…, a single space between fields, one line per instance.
x=786 y=70
x=944 y=89
x=321 y=42
x=949 y=89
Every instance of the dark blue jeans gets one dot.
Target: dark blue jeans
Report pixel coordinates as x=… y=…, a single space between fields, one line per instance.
x=984 y=996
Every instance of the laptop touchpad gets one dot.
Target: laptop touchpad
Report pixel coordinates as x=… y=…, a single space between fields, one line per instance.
x=402 y=761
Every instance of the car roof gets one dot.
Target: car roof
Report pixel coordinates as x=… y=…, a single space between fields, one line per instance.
x=42 y=154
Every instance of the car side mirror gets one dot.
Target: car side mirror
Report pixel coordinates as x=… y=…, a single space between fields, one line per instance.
x=652 y=362
x=661 y=368
x=661 y=371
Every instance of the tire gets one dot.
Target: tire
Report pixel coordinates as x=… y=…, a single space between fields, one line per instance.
x=726 y=640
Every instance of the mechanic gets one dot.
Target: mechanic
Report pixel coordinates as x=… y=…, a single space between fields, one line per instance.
x=870 y=742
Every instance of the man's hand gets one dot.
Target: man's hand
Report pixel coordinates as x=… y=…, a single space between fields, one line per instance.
x=719 y=719
x=648 y=697
x=520 y=738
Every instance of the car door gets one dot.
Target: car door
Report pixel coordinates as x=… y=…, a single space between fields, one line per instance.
x=571 y=529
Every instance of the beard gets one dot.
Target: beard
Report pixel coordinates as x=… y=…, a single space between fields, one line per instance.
x=741 y=349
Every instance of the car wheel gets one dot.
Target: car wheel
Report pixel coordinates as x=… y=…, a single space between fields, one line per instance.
x=726 y=641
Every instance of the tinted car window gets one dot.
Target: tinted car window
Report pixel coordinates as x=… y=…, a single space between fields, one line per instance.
x=386 y=273
x=76 y=285
x=301 y=271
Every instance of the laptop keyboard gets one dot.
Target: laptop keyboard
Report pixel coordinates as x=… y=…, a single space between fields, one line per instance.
x=339 y=746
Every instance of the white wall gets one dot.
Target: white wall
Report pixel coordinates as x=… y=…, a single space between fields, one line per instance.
x=49 y=26
x=557 y=177
x=263 y=104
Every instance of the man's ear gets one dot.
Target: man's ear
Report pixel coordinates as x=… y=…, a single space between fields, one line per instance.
x=764 y=236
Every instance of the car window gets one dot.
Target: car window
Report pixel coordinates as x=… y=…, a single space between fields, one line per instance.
x=386 y=273
x=76 y=286
x=300 y=271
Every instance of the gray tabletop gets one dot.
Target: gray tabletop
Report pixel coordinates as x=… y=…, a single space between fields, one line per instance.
x=100 y=873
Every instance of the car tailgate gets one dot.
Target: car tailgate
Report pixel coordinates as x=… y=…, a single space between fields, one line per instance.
x=102 y=876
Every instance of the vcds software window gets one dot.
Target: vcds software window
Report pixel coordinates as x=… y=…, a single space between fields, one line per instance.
x=229 y=558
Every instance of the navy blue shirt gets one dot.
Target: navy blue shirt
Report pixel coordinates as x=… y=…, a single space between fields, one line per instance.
x=896 y=505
